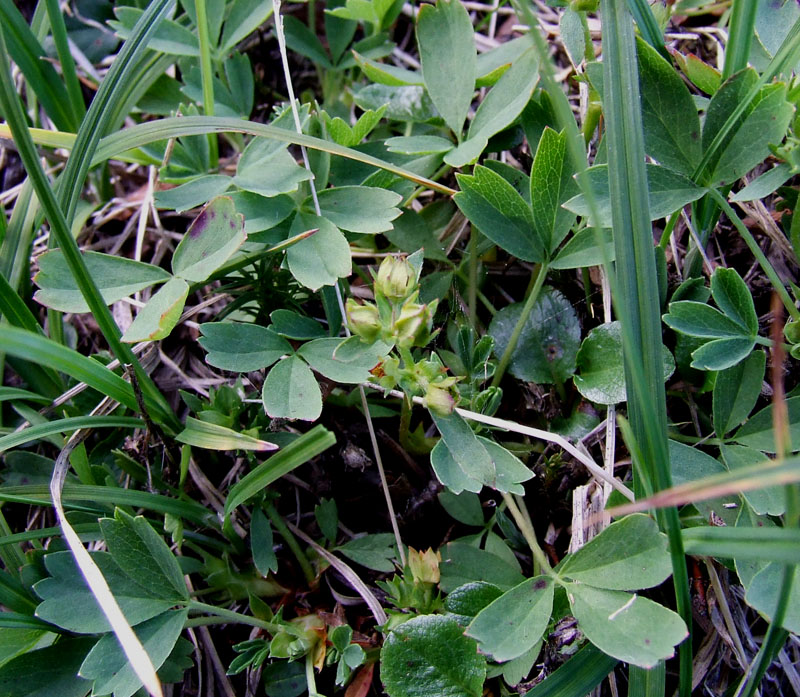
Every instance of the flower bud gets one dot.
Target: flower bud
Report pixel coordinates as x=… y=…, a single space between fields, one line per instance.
x=410 y=324
x=439 y=400
x=396 y=278
x=363 y=320
x=424 y=565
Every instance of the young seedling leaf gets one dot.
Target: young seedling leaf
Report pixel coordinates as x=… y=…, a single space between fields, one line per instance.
x=601 y=375
x=626 y=626
x=68 y=603
x=211 y=436
x=241 y=348
x=161 y=313
x=210 y=241
x=321 y=259
x=291 y=391
x=628 y=555
x=736 y=391
x=515 y=622
x=500 y=213
x=115 y=277
x=429 y=655
x=108 y=666
x=448 y=56
x=547 y=348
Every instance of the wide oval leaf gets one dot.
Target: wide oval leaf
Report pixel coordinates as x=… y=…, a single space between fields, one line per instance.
x=430 y=655
x=241 y=347
x=291 y=392
x=625 y=626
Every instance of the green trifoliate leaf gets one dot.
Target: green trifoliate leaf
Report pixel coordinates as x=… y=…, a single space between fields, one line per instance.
x=241 y=348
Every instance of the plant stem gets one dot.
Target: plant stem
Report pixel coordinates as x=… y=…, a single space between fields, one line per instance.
x=472 y=285
x=530 y=301
x=207 y=76
x=539 y=557
x=291 y=541
x=757 y=253
x=229 y=616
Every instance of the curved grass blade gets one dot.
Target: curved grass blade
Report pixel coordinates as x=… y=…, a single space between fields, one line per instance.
x=757 y=544
x=73 y=86
x=39 y=349
x=32 y=433
x=578 y=676
x=648 y=25
x=741 y=29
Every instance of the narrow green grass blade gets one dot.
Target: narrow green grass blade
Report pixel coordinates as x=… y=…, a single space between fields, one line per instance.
x=647 y=683
x=34 y=347
x=86 y=531
x=30 y=57
x=39 y=495
x=756 y=544
x=32 y=433
x=206 y=74
x=15 y=310
x=9 y=103
x=295 y=454
x=637 y=286
x=741 y=29
x=578 y=676
x=73 y=85
x=648 y=26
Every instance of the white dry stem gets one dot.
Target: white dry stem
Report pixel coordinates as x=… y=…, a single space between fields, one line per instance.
x=134 y=651
x=298 y=126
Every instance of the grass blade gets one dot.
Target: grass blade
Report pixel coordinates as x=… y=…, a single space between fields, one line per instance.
x=39 y=349
x=59 y=31
x=648 y=25
x=30 y=57
x=636 y=289
x=757 y=544
x=578 y=676
x=741 y=29
x=32 y=433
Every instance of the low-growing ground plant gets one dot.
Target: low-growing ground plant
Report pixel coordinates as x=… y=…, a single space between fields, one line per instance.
x=371 y=347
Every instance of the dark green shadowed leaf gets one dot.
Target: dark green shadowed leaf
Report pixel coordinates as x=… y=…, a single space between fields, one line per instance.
x=465 y=448
x=67 y=601
x=547 y=348
x=500 y=213
x=668 y=191
x=261 y=544
x=116 y=278
x=759 y=431
x=374 y=551
x=241 y=347
x=47 y=672
x=108 y=666
x=142 y=553
x=515 y=622
x=462 y=563
x=736 y=391
x=429 y=655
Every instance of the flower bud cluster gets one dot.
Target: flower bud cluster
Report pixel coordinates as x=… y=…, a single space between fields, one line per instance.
x=396 y=317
